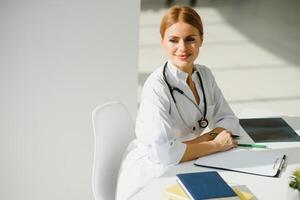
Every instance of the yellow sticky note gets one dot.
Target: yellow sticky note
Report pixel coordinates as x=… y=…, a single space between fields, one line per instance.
x=243 y=195
x=175 y=192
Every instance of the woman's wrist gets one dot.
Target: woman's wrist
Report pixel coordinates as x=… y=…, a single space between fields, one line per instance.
x=215 y=145
x=213 y=133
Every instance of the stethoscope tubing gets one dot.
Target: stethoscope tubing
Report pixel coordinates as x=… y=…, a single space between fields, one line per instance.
x=203 y=120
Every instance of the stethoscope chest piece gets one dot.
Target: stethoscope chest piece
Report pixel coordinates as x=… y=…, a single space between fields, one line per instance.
x=203 y=123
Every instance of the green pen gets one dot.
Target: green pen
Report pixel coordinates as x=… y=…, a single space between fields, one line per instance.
x=253 y=145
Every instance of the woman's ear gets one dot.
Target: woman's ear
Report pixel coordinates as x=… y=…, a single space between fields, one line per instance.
x=201 y=41
x=162 y=42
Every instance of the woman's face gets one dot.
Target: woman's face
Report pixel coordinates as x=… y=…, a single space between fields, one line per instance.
x=182 y=42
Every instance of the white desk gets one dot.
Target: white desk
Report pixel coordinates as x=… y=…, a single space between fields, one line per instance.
x=263 y=188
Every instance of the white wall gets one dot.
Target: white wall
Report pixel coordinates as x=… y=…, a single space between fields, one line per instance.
x=58 y=60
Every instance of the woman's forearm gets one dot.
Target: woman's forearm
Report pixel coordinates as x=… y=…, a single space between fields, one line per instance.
x=206 y=136
x=197 y=150
x=220 y=142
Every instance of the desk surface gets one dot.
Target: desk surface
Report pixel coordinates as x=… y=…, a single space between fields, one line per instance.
x=263 y=188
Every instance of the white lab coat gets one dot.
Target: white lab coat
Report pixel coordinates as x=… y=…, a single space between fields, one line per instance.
x=160 y=131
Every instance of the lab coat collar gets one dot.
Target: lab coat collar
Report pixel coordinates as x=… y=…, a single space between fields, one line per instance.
x=179 y=74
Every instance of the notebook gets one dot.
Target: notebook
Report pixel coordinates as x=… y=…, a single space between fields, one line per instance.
x=269 y=130
x=205 y=185
x=175 y=192
x=257 y=162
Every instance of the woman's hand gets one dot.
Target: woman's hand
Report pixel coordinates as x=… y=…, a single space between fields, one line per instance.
x=224 y=141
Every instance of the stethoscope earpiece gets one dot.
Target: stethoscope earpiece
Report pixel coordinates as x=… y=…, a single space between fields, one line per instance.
x=203 y=122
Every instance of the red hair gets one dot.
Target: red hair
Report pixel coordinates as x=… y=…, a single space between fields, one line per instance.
x=181 y=14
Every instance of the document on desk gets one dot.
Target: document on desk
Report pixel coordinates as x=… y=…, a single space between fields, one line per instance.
x=269 y=130
x=257 y=162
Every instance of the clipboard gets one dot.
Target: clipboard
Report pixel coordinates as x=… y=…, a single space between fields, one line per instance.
x=257 y=162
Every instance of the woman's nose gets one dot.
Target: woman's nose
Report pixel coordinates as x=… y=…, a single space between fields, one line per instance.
x=182 y=45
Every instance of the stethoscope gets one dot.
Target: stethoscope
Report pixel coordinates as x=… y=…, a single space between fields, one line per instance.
x=203 y=122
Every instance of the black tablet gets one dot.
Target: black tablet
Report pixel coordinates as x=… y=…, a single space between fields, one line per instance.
x=269 y=130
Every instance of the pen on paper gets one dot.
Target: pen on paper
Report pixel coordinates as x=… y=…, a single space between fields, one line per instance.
x=253 y=145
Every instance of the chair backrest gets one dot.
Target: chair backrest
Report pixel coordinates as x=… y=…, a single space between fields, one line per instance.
x=113 y=130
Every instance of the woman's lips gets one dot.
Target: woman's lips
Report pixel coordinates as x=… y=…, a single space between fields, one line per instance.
x=184 y=56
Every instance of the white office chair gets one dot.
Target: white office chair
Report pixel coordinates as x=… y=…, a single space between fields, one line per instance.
x=113 y=130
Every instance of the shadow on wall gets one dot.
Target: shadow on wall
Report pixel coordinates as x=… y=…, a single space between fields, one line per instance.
x=273 y=25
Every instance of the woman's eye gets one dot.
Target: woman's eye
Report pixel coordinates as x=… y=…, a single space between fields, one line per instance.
x=190 y=39
x=172 y=41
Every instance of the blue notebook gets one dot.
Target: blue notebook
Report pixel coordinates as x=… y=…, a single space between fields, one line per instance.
x=205 y=185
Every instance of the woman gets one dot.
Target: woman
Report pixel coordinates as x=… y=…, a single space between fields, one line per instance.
x=179 y=100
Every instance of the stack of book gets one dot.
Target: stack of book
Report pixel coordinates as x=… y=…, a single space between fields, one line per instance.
x=203 y=185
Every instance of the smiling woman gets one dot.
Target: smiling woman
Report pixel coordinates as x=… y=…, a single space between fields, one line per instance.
x=180 y=99
x=181 y=33
x=181 y=42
